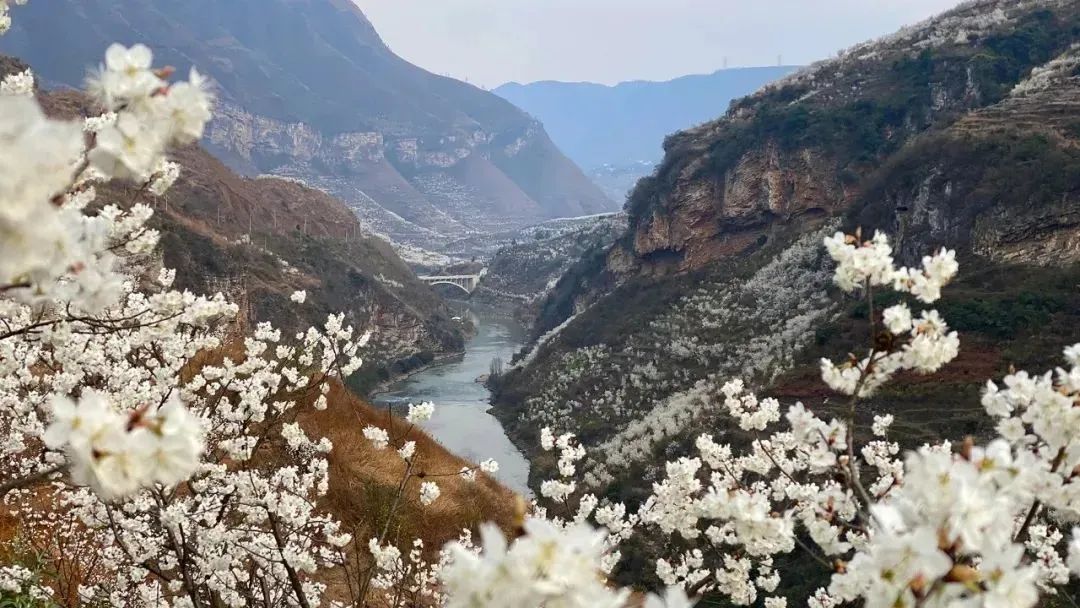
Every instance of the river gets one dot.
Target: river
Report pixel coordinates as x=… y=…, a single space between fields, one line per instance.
x=461 y=422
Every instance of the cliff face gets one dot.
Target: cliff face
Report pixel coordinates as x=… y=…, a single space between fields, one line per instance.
x=1002 y=182
x=806 y=146
x=309 y=90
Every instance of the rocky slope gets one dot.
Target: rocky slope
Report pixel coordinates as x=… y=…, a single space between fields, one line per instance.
x=259 y=240
x=960 y=131
x=802 y=148
x=308 y=90
x=522 y=272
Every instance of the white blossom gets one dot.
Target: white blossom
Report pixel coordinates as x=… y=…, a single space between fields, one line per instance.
x=377 y=436
x=420 y=413
x=429 y=492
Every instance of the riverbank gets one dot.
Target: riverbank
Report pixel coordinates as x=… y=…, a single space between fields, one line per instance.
x=383 y=386
x=463 y=422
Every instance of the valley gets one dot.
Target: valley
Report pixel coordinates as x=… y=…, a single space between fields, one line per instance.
x=458 y=386
x=550 y=344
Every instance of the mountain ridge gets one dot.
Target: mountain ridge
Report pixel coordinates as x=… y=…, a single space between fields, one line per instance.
x=307 y=89
x=646 y=81
x=616 y=132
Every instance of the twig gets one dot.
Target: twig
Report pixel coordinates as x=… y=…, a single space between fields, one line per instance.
x=33 y=478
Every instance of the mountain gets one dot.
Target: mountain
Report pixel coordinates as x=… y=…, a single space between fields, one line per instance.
x=308 y=90
x=521 y=272
x=959 y=131
x=257 y=240
x=615 y=131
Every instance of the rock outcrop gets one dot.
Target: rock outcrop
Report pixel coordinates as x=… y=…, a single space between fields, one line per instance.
x=807 y=146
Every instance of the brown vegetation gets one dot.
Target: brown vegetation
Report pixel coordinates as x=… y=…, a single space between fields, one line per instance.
x=363 y=480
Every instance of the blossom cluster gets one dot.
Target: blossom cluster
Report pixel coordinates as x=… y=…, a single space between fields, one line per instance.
x=137 y=406
x=547 y=566
x=20 y=84
x=70 y=300
x=50 y=169
x=117 y=453
x=5 y=18
x=923 y=344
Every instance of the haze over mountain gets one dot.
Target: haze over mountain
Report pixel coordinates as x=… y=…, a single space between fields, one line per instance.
x=616 y=132
x=307 y=89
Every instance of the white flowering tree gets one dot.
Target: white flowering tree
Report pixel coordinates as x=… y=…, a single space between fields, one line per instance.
x=129 y=406
x=952 y=524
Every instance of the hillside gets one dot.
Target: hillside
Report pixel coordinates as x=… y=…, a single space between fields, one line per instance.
x=522 y=272
x=259 y=240
x=308 y=90
x=363 y=484
x=959 y=131
x=804 y=147
x=612 y=131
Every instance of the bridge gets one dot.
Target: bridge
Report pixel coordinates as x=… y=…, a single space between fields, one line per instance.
x=465 y=282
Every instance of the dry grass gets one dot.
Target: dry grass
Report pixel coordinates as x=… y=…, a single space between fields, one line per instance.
x=364 y=481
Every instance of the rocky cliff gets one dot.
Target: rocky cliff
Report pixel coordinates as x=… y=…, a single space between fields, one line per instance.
x=308 y=90
x=1002 y=182
x=805 y=147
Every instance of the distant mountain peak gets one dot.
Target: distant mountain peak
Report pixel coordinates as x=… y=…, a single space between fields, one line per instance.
x=623 y=126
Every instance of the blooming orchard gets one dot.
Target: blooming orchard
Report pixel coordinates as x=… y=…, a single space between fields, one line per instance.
x=138 y=425
x=946 y=525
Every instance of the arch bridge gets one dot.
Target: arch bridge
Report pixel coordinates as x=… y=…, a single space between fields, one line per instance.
x=466 y=282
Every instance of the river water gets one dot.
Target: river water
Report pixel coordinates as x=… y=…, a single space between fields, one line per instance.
x=461 y=422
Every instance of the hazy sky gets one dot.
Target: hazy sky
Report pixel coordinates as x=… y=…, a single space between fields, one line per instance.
x=490 y=42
